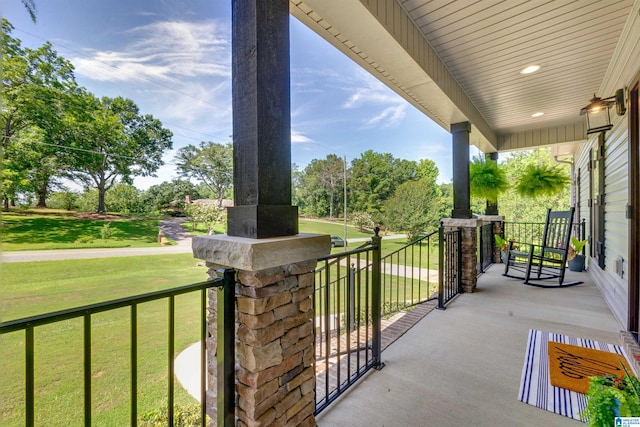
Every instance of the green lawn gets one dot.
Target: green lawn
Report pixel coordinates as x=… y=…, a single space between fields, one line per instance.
x=58 y=230
x=42 y=287
x=34 y=288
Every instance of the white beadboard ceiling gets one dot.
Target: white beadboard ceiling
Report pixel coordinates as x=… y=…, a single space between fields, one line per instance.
x=483 y=44
x=486 y=43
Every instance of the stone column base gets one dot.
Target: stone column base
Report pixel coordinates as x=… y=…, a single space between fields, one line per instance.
x=275 y=376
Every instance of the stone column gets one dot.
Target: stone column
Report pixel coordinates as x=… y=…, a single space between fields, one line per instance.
x=275 y=377
x=469 y=249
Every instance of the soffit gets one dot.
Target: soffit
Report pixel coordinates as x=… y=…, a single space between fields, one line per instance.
x=482 y=45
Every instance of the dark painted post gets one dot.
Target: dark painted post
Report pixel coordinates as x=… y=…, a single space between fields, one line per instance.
x=376 y=299
x=261 y=121
x=226 y=380
x=461 y=195
x=492 y=207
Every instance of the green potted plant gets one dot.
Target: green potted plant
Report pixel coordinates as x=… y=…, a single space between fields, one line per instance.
x=541 y=180
x=503 y=244
x=487 y=180
x=576 y=259
x=610 y=397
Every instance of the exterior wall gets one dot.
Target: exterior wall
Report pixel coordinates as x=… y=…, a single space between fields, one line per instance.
x=624 y=65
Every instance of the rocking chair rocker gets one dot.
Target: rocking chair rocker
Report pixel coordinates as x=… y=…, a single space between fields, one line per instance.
x=546 y=261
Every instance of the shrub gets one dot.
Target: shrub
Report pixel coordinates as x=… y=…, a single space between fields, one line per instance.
x=84 y=239
x=106 y=232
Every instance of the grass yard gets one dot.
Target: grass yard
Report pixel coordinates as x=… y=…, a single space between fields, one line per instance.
x=34 y=288
x=305 y=226
x=60 y=230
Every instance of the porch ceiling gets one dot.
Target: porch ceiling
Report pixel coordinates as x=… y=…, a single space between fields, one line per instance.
x=461 y=60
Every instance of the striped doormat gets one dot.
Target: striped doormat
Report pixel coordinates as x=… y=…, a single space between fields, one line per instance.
x=535 y=387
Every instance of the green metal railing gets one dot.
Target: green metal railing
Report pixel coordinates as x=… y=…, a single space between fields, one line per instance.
x=226 y=385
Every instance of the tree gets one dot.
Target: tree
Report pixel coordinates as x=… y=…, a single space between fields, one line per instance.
x=362 y=220
x=38 y=90
x=374 y=178
x=414 y=208
x=112 y=141
x=63 y=199
x=205 y=213
x=124 y=198
x=170 y=194
x=210 y=163
x=428 y=170
x=322 y=184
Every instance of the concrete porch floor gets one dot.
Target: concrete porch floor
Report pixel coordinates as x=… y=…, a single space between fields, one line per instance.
x=462 y=366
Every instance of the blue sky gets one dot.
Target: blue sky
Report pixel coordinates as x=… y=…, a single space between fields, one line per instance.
x=173 y=59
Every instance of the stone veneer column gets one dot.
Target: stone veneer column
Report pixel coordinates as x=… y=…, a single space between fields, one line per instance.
x=275 y=377
x=469 y=249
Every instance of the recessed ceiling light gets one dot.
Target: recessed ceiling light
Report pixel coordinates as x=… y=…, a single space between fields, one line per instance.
x=530 y=69
x=538 y=114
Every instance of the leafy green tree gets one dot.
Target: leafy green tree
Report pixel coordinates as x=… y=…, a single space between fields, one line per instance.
x=414 y=208
x=210 y=163
x=322 y=184
x=362 y=220
x=88 y=200
x=170 y=194
x=373 y=179
x=112 y=141
x=124 y=198
x=205 y=213
x=428 y=170
x=38 y=89
x=63 y=199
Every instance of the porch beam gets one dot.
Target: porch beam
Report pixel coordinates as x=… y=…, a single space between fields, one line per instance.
x=461 y=193
x=261 y=121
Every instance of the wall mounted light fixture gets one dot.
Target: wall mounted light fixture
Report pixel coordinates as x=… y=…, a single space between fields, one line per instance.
x=598 y=116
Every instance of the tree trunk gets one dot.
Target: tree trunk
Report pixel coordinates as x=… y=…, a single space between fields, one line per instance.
x=5 y=204
x=42 y=199
x=101 y=206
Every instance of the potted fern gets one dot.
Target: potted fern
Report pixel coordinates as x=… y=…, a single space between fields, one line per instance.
x=576 y=259
x=541 y=180
x=610 y=397
x=487 y=180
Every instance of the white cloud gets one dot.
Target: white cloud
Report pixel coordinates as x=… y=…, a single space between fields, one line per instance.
x=299 y=138
x=389 y=117
x=163 y=52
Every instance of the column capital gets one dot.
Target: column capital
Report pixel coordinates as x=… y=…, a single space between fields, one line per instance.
x=249 y=254
x=461 y=127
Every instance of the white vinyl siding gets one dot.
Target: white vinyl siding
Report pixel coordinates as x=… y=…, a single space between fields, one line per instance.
x=623 y=67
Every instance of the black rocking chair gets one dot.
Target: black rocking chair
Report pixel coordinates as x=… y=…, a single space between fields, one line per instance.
x=546 y=261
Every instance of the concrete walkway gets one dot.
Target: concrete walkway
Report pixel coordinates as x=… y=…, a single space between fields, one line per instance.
x=462 y=366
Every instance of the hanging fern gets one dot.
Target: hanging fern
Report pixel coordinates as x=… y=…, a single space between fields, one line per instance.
x=486 y=179
x=542 y=180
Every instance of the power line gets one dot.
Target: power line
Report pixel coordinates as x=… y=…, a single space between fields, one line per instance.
x=124 y=71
